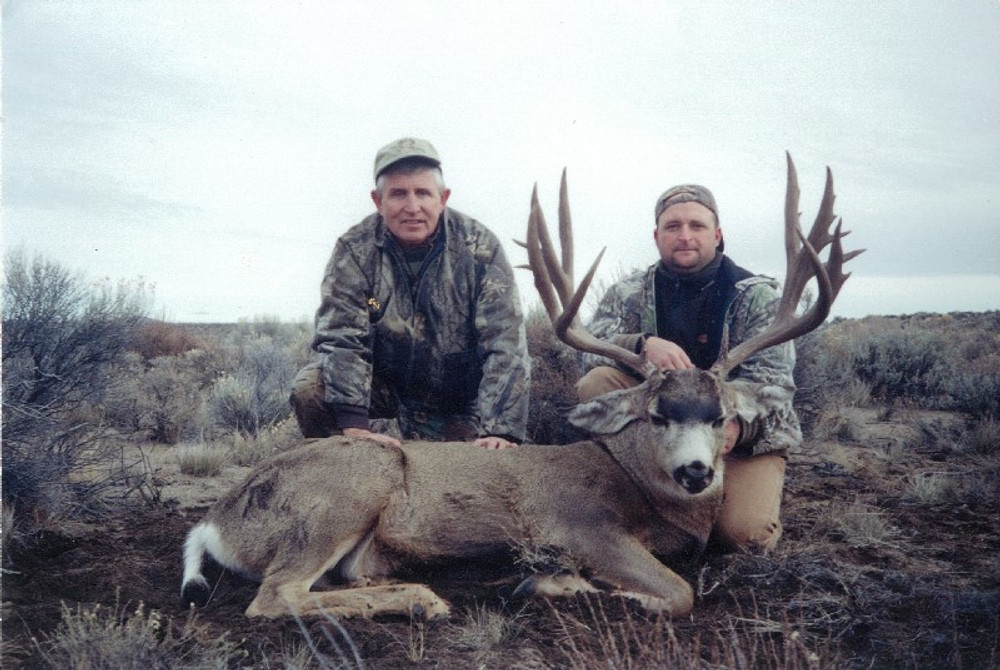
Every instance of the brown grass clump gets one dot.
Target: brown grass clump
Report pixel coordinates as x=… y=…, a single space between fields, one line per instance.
x=160 y=338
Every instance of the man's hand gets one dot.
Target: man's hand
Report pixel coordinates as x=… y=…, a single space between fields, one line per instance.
x=666 y=355
x=732 y=429
x=376 y=437
x=494 y=442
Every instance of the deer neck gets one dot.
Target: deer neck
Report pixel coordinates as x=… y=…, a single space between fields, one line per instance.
x=694 y=515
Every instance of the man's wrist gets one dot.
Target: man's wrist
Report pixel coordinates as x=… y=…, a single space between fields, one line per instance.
x=351 y=416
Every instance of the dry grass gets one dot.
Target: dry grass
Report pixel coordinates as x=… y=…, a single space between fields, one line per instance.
x=100 y=638
x=484 y=629
x=201 y=460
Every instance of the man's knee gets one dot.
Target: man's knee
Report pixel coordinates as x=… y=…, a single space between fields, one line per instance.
x=750 y=517
x=603 y=379
x=313 y=415
x=752 y=535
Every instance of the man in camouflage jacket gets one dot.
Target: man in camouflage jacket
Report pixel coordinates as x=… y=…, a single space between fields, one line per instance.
x=679 y=312
x=420 y=320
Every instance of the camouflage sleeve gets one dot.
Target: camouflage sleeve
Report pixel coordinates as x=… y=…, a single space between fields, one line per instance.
x=343 y=333
x=617 y=319
x=502 y=403
x=767 y=418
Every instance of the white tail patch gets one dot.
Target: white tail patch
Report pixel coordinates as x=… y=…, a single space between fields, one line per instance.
x=205 y=539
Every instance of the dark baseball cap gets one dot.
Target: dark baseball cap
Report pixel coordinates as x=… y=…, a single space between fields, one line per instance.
x=685 y=193
x=405 y=147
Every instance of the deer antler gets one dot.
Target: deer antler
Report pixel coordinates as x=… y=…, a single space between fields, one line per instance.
x=802 y=263
x=554 y=281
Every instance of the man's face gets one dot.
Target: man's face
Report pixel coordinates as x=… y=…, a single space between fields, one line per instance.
x=411 y=205
x=686 y=235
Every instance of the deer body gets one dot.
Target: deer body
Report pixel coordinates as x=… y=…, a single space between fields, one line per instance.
x=369 y=511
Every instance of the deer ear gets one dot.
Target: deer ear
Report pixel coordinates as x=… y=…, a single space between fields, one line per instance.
x=609 y=413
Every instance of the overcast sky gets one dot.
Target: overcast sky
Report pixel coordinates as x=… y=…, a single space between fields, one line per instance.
x=218 y=149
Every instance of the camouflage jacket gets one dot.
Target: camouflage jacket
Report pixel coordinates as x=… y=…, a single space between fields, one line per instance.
x=628 y=310
x=450 y=340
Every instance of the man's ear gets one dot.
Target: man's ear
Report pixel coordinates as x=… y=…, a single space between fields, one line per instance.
x=609 y=413
x=377 y=199
x=444 y=196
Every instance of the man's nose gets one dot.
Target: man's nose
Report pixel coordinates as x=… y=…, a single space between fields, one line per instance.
x=411 y=203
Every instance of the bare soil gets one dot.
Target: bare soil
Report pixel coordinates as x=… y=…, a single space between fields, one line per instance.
x=867 y=575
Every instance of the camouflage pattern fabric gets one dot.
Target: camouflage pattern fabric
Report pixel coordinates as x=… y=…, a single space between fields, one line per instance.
x=448 y=342
x=628 y=309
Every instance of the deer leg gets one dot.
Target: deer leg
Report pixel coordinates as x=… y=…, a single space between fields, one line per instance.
x=278 y=597
x=553 y=586
x=635 y=573
x=369 y=601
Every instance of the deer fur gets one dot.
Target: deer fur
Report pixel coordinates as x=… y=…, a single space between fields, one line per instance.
x=647 y=488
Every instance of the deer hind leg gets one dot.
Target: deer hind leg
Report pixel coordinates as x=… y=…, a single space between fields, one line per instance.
x=285 y=589
x=283 y=594
x=369 y=601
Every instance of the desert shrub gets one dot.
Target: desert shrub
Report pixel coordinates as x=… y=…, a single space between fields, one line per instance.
x=975 y=392
x=163 y=397
x=900 y=365
x=254 y=395
x=96 y=638
x=555 y=370
x=61 y=334
x=823 y=374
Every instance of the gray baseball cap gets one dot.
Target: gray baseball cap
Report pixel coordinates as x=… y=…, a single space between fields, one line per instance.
x=685 y=193
x=405 y=147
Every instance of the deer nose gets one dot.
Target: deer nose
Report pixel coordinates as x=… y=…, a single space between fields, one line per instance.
x=694 y=477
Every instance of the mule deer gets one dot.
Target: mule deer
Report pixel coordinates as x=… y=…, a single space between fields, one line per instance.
x=646 y=487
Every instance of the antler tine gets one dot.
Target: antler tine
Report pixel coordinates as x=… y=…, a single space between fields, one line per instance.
x=565 y=230
x=802 y=263
x=536 y=262
x=545 y=269
x=557 y=277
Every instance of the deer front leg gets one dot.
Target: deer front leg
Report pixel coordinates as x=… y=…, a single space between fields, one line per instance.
x=635 y=573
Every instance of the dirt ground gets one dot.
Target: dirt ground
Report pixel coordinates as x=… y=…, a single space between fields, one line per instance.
x=868 y=573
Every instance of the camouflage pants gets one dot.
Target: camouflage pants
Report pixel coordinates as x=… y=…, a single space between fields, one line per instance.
x=388 y=414
x=749 y=519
